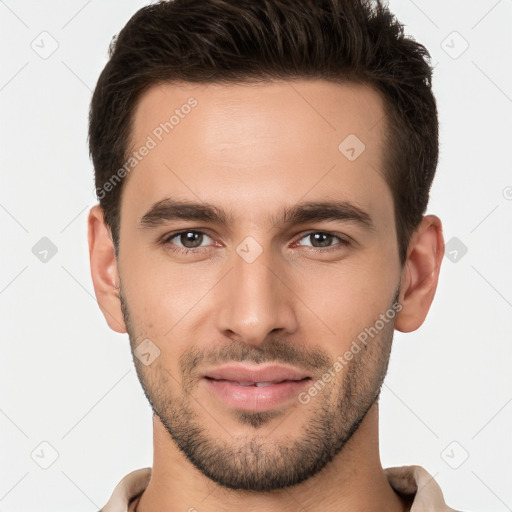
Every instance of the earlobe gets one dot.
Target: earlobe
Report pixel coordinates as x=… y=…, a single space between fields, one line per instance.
x=420 y=274
x=104 y=270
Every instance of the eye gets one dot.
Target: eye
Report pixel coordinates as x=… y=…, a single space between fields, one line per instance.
x=322 y=239
x=186 y=241
x=191 y=241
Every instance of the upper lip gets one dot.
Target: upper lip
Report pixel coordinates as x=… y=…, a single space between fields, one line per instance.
x=256 y=373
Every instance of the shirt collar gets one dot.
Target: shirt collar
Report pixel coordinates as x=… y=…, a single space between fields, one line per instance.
x=413 y=481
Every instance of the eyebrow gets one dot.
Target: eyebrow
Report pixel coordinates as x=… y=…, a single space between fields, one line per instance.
x=169 y=209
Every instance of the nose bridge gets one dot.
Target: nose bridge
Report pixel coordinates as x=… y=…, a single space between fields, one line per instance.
x=253 y=300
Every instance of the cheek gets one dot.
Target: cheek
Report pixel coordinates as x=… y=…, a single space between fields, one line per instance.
x=159 y=291
x=338 y=302
x=168 y=302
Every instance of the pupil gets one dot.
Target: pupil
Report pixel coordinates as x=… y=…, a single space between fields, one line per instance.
x=326 y=237
x=196 y=238
x=191 y=237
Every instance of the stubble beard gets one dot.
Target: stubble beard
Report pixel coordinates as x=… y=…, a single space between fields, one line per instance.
x=254 y=460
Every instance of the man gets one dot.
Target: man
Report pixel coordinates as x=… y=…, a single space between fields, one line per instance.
x=263 y=170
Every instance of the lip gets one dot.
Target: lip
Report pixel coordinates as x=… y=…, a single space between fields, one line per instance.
x=256 y=373
x=282 y=383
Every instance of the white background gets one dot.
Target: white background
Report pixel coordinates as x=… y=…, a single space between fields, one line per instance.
x=67 y=380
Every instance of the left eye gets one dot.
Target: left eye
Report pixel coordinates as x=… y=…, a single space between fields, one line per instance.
x=323 y=239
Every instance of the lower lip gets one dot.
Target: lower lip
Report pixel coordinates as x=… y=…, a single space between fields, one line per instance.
x=255 y=398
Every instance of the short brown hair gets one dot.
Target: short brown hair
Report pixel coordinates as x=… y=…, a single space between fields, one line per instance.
x=230 y=41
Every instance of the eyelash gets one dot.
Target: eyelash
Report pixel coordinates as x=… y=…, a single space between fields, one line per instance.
x=167 y=242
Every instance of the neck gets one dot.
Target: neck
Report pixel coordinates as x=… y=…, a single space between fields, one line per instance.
x=353 y=481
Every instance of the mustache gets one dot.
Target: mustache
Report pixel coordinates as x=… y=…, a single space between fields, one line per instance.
x=275 y=350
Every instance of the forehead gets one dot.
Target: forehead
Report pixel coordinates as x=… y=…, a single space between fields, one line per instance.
x=253 y=144
x=316 y=106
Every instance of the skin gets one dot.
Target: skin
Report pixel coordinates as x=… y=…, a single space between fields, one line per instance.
x=252 y=150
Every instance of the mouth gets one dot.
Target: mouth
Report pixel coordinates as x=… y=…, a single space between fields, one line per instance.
x=259 y=384
x=255 y=387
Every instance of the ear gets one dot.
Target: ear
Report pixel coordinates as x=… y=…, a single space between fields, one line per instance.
x=105 y=276
x=420 y=274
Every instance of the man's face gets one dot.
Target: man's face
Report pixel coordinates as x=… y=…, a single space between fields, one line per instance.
x=284 y=295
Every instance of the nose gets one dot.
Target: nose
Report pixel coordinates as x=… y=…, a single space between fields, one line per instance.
x=256 y=299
